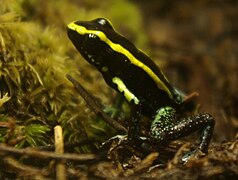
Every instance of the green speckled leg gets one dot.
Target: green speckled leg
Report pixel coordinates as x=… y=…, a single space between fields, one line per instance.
x=166 y=127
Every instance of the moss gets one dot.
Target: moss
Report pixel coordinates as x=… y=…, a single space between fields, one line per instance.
x=35 y=93
x=35 y=56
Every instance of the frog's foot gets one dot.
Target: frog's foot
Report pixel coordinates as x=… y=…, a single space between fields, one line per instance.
x=116 y=140
x=119 y=140
x=192 y=155
x=123 y=150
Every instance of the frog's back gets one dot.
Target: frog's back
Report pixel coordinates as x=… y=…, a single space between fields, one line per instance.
x=138 y=82
x=123 y=66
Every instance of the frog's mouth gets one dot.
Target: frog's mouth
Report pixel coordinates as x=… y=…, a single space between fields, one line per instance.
x=75 y=37
x=83 y=45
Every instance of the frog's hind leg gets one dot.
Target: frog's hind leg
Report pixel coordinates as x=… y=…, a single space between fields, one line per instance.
x=165 y=127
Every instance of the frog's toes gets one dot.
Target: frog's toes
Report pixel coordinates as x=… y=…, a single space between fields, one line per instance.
x=192 y=155
x=116 y=140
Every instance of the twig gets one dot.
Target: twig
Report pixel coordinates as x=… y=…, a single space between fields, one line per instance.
x=59 y=149
x=94 y=105
x=24 y=170
x=143 y=165
x=69 y=146
x=46 y=155
x=190 y=96
x=59 y=143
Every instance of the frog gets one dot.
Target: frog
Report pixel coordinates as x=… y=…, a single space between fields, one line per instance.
x=134 y=75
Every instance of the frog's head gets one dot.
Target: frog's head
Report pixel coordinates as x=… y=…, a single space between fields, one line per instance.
x=91 y=39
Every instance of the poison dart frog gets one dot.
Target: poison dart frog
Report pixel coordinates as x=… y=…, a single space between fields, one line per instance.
x=132 y=73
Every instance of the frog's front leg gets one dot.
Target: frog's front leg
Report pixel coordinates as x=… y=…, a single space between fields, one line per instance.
x=134 y=128
x=166 y=127
x=133 y=137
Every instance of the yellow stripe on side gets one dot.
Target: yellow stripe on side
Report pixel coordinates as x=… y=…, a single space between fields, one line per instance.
x=118 y=48
x=123 y=89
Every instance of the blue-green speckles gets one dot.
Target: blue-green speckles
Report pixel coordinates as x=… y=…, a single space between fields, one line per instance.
x=163 y=122
x=164 y=113
x=104 y=69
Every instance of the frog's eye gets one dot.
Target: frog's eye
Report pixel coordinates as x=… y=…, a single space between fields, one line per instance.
x=103 y=22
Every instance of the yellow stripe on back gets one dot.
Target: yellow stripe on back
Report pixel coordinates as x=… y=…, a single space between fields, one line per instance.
x=120 y=49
